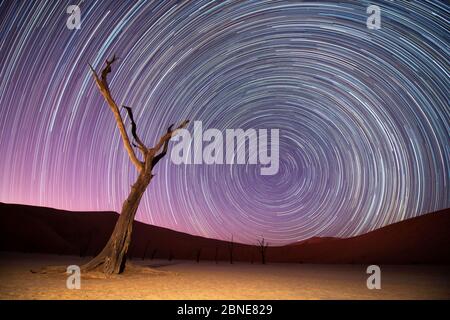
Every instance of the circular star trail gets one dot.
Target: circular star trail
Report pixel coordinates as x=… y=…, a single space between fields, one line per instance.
x=363 y=114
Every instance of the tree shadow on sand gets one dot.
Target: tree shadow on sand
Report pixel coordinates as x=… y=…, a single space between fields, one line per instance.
x=130 y=270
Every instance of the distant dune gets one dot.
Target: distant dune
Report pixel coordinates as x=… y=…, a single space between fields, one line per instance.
x=420 y=240
x=313 y=240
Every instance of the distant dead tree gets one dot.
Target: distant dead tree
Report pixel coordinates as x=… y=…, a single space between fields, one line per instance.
x=198 y=253
x=230 y=249
x=216 y=255
x=153 y=254
x=262 y=246
x=146 y=249
x=170 y=255
x=111 y=260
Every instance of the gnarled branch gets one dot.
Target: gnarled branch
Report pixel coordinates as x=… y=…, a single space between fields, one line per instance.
x=107 y=69
x=139 y=142
x=104 y=89
x=164 y=150
x=170 y=133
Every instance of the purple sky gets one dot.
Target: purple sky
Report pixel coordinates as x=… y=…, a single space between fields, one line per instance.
x=363 y=114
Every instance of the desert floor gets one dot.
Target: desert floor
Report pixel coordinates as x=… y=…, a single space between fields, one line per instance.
x=207 y=280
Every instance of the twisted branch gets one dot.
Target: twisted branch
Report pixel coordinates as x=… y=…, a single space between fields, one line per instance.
x=164 y=142
x=139 y=142
x=170 y=133
x=148 y=153
x=104 y=89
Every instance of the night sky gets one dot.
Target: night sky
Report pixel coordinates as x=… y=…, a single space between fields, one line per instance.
x=363 y=114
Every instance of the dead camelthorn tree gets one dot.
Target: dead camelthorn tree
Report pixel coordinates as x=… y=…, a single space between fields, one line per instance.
x=153 y=254
x=262 y=246
x=230 y=249
x=216 y=255
x=197 y=254
x=111 y=260
x=146 y=249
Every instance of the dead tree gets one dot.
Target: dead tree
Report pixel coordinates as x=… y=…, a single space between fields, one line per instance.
x=198 y=253
x=230 y=249
x=216 y=256
x=146 y=249
x=111 y=260
x=153 y=254
x=262 y=246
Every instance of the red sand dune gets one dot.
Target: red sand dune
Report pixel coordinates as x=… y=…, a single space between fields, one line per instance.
x=420 y=240
x=313 y=240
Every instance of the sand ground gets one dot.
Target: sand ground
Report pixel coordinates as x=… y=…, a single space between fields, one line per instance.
x=207 y=280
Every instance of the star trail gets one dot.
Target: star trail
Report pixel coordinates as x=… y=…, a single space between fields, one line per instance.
x=363 y=114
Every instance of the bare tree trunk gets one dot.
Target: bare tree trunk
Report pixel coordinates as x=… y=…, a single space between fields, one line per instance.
x=263 y=249
x=199 y=252
x=230 y=249
x=113 y=256
x=216 y=256
x=146 y=249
